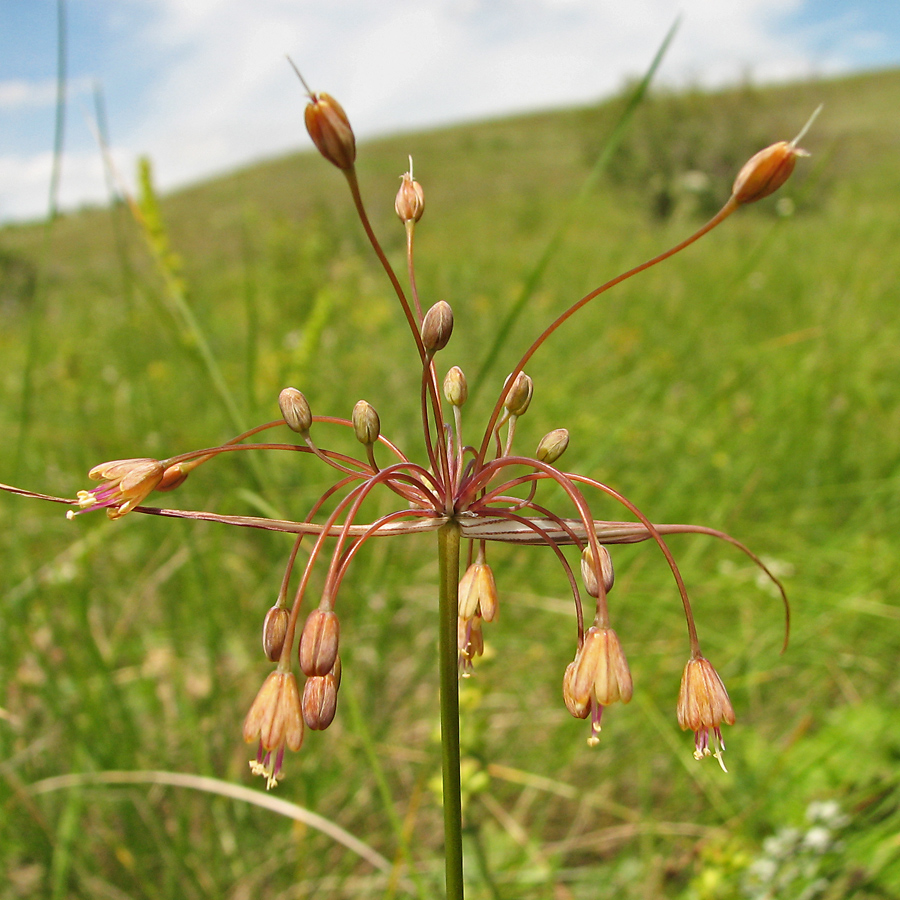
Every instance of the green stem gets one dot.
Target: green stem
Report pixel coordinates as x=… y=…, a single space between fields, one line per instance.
x=448 y=554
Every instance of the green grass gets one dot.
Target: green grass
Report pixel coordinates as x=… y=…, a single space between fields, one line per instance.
x=750 y=384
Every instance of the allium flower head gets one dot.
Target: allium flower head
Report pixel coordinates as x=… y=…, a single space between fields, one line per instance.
x=471 y=489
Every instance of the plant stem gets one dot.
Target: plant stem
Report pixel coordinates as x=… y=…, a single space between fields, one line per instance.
x=448 y=555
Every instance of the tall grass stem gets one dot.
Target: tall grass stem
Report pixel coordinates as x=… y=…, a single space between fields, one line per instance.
x=533 y=278
x=448 y=553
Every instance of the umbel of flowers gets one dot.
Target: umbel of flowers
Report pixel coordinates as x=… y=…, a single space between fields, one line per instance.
x=479 y=490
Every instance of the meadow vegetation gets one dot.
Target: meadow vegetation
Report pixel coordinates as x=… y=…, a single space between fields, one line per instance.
x=751 y=383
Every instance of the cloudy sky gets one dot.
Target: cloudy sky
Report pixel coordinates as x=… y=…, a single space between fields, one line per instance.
x=202 y=86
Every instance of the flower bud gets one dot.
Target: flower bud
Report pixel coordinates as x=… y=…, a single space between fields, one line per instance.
x=410 y=201
x=768 y=170
x=437 y=326
x=552 y=446
x=330 y=130
x=274 y=631
x=456 y=389
x=320 y=698
x=589 y=571
x=174 y=476
x=518 y=398
x=295 y=409
x=765 y=172
x=366 y=423
x=319 y=642
x=580 y=708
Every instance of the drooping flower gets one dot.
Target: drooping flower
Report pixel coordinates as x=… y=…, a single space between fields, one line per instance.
x=703 y=705
x=598 y=676
x=275 y=720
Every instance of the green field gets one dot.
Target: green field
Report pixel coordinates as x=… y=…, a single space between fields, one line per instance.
x=751 y=384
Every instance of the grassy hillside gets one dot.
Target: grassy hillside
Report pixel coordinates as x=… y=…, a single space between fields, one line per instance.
x=750 y=384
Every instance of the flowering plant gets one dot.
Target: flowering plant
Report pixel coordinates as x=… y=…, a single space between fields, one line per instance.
x=480 y=492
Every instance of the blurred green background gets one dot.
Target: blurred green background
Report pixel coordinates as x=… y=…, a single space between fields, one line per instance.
x=750 y=384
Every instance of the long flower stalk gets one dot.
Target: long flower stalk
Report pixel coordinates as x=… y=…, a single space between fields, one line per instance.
x=448 y=561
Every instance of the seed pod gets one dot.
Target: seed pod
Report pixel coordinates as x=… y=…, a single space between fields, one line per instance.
x=319 y=642
x=437 y=326
x=519 y=397
x=552 y=446
x=410 y=201
x=589 y=571
x=456 y=389
x=274 y=631
x=295 y=409
x=366 y=423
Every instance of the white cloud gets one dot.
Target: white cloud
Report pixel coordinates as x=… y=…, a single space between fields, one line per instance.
x=222 y=93
x=20 y=94
x=25 y=183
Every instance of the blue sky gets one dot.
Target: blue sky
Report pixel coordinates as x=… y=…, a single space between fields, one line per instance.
x=202 y=86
